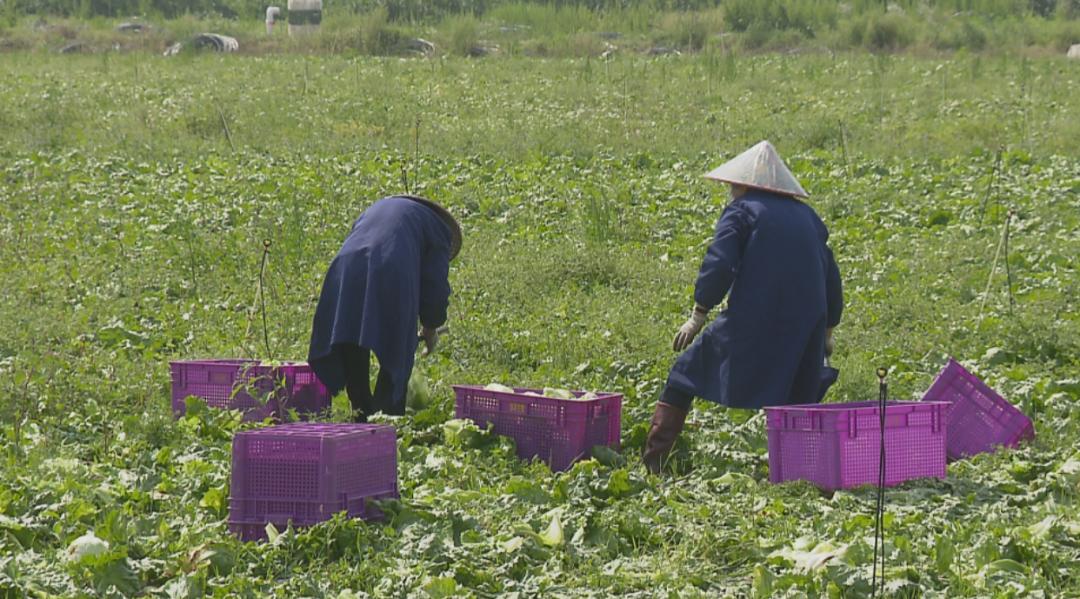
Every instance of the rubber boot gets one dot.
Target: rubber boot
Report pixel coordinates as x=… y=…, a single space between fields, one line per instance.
x=667 y=423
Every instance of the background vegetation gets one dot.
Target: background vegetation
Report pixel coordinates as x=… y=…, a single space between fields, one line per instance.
x=706 y=105
x=137 y=191
x=465 y=27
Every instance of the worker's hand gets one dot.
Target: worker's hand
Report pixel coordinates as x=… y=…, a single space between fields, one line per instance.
x=690 y=328
x=431 y=339
x=829 y=345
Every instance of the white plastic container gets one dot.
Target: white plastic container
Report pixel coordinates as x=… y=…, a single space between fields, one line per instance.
x=305 y=16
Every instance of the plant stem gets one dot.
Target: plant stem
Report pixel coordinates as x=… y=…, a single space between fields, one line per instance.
x=225 y=126
x=993 y=267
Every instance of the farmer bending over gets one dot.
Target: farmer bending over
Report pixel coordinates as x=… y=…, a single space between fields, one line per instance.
x=767 y=347
x=392 y=268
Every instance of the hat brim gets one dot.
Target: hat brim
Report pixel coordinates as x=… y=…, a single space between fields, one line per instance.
x=784 y=192
x=451 y=222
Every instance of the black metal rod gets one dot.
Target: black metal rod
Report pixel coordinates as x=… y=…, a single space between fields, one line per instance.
x=879 y=512
x=262 y=296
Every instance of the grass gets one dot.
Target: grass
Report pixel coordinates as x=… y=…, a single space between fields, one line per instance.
x=708 y=104
x=556 y=29
x=132 y=230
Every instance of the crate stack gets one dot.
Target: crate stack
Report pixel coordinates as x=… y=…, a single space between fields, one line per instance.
x=557 y=431
x=838 y=446
x=258 y=390
x=303 y=473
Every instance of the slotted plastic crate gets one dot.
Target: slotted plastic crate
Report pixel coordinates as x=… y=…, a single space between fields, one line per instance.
x=558 y=431
x=978 y=419
x=256 y=389
x=306 y=472
x=837 y=446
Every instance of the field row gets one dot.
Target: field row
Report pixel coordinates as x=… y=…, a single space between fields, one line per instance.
x=850 y=106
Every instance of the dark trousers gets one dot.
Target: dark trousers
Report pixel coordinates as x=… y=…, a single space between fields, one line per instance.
x=356 y=361
x=677 y=398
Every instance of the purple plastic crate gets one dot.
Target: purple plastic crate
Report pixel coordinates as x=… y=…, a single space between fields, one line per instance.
x=247 y=385
x=979 y=420
x=838 y=446
x=306 y=472
x=558 y=431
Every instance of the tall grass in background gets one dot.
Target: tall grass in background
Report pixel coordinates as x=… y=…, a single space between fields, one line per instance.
x=572 y=28
x=713 y=102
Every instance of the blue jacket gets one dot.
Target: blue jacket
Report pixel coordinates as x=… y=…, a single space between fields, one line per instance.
x=767 y=347
x=392 y=269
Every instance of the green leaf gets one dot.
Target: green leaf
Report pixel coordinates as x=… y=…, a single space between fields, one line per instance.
x=23 y=535
x=553 y=536
x=944 y=554
x=1007 y=565
x=608 y=456
x=619 y=483
x=194 y=406
x=441 y=588
x=119 y=574
x=272 y=533
x=762 y=583
x=512 y=544
x=1040 y=530
x=808 y=560
x=527 y=490
x=216 y=499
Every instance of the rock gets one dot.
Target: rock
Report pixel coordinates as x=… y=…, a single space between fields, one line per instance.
x=130 y=27
x=74 y=48
x=206 y=41
x=421 y=46
x=215 y=42
x=1074 y=51
x=481 y=51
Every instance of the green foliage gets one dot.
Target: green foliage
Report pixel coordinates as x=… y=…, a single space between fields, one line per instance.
x=807 y=16
x=564 y=28
x=462 y=35
x=714 y=102
x=689 y=31
x=131 y=235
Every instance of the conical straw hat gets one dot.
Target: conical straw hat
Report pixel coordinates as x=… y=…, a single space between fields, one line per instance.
x=760 y=167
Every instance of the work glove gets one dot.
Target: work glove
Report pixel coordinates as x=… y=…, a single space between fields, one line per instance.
x=829 y=345
x=690 y=328
x=430 y=337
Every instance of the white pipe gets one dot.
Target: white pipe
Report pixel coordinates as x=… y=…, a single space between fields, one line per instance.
x=272 y=13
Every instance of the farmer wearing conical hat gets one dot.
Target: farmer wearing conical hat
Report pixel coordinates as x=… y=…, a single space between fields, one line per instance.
x=392 y=270
x=770 y=259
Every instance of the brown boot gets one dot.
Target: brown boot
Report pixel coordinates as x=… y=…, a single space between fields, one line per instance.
x=667 y=423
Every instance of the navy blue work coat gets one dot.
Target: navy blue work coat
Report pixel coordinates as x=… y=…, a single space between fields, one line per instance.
x=768 y=346
x=392 y=269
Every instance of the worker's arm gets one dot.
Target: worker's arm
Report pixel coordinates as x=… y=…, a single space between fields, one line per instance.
x=717 y=270
x=723 y=257
x=434 y=287
x=834 y=291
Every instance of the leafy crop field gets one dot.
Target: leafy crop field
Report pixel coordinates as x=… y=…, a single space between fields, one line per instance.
x=137 y=192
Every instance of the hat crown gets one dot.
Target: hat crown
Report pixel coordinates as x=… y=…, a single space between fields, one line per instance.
x=760 y=167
